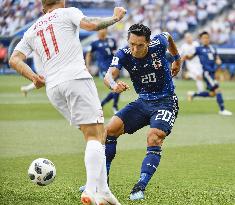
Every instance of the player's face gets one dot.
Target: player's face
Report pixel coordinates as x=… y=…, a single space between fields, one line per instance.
x=205 y=39
x=138 y=45
x=188 y=38
x=102 y=33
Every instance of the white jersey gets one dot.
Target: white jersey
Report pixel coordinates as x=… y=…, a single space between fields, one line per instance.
x=38 y=66
x=53 y=38
x=194 y=65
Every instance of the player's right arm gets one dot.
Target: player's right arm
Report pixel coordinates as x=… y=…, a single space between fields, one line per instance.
x=88 y=57
x=113 y=73
x=109 y=81
x=97 y=23
x=16 y=61
x=88 y=60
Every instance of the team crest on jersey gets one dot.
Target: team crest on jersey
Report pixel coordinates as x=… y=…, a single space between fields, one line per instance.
x=156 y=62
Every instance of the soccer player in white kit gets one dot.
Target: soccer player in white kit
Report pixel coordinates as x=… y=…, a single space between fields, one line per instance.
x=69 y=86
x=193 y=66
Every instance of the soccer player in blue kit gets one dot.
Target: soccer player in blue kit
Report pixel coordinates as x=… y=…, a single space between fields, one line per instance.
x=103 y=49
x=157 y=104
x=209 y=60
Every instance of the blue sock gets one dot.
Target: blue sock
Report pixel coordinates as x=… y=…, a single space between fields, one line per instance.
x=202 y=94
x=220 y=101
x=107 y=99
x=115 y=99
x=110 y=151
x=149 y=165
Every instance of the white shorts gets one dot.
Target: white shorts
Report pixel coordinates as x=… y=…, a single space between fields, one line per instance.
x=78 y=101
x=194 y=71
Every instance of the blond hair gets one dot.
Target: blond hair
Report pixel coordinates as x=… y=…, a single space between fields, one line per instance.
x=49 y=2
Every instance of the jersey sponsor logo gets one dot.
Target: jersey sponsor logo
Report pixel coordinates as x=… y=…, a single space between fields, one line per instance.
x=115 y=61
x=134 y=68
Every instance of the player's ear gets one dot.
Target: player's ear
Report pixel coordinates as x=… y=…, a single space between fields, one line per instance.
x=148 y=42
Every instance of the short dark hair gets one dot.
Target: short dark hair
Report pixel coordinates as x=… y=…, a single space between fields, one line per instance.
x=140 y=30
x=203 y=33
x=49 y=2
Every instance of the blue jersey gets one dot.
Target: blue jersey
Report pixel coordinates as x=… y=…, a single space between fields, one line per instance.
x=207 y=56
x=103 y=50
x=151 y=75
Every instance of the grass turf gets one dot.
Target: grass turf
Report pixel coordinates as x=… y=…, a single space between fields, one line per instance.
x=197 y=165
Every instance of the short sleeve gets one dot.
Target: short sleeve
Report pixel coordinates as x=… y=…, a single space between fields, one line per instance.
x=75 y=16
x=165 y=34
x=164 y=38
x=24 y=47
x=117 y=60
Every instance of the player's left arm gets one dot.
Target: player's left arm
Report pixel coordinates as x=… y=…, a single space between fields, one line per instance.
x=17 y=62
x=218 y=60
x=176 y=65
x=98 y=23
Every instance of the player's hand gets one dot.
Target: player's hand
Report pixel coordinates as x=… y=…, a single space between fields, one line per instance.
x=218 y=61
x=38 y=81
x=119 y=13
x=184 y=58
x=175 y=67
x=120 y=87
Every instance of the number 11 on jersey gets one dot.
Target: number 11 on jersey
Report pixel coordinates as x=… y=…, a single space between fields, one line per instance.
x=44 y=43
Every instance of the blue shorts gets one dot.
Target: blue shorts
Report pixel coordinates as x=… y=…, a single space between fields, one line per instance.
x=160 y=114
x=209 y=78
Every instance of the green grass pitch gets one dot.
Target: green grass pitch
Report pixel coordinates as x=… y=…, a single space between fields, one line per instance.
x=197 y=166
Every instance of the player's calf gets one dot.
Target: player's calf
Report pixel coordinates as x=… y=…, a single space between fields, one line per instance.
x=110 y=151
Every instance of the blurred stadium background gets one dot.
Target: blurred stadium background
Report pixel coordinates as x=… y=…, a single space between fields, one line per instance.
x=198 y=161
x=175 y=16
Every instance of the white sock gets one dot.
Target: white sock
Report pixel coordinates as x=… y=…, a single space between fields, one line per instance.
x=200 y=86
x=102 y=182
x=29 y=87
x=94 y=157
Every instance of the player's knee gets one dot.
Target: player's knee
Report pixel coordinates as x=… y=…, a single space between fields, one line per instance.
x=217 y=90
x=93 y=131
x=155 y=137
x=212 y=93
x=199 y=77
x=115 y=127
